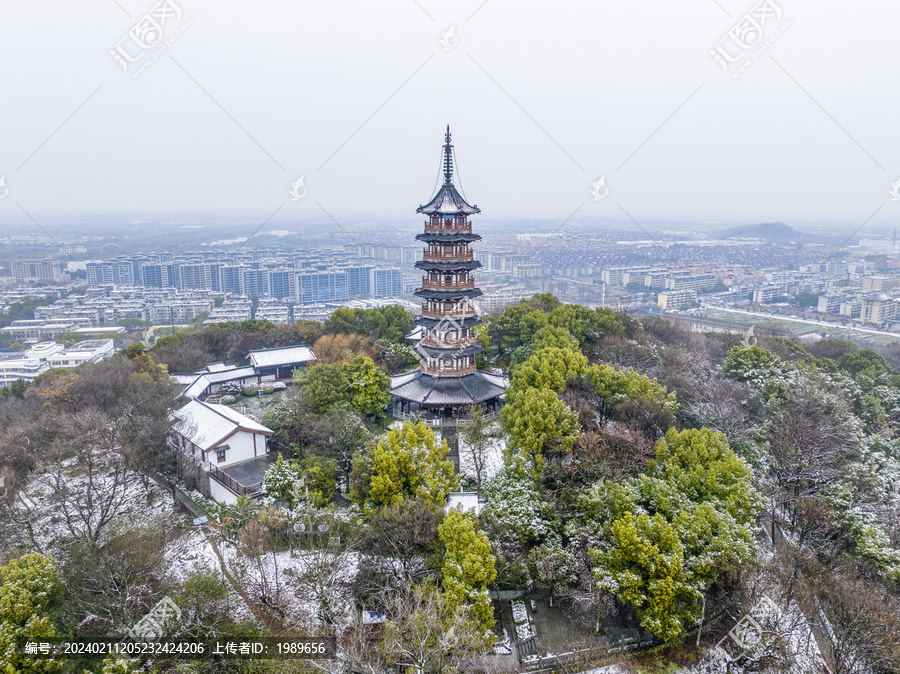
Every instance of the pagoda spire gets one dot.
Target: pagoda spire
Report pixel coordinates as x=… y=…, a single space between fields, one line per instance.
x=448 y=158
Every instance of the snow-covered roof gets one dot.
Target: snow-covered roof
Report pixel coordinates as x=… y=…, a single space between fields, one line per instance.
x=200 y=383
x=184 y=379
x=197 y=387
x=287 y=355
x=232 y=374
x=206 y=425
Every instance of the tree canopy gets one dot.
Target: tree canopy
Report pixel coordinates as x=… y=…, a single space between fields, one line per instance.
x=29 y=590
x=672 y=530
x=367 y=385
x=537 y=422
x=468 y=564
x=409 y=463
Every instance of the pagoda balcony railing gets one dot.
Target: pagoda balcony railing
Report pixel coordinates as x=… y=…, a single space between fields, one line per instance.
x=445 y=285
x=449 y=226
x=441 y=313
x=447 y=342
x=432 y=419
x=427 y=255
x=449 y=370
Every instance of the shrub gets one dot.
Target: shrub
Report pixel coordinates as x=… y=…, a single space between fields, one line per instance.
x=229 y=399
x=250 y=390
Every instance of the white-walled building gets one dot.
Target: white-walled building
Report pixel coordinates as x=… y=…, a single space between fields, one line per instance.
x=231 y=448
x=45 y=356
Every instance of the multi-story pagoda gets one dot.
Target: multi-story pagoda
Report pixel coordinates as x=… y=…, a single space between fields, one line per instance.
x=447 y=382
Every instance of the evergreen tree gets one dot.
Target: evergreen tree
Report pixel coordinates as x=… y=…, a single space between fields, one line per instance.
x=672 y=531
x=408 y=463
x=468 y=564
x=325 y=387
x=368 y=386
x=29 y=590
x=537 y=421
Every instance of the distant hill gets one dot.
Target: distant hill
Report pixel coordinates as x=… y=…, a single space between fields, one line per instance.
x=774 y=232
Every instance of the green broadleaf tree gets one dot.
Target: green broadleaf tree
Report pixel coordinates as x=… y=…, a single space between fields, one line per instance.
x=408 y=463
x=29 y=589
x=671 y=531
x=468 y=564
x=614 y=386
x=537 y=421
x=549 y=367
x=325 y=387
x=368 y=386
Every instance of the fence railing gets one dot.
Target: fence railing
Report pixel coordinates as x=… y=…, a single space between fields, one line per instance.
x=447 y=285
x=232 y=484
x=428 y=255
x=445 y=421
x=455 y=225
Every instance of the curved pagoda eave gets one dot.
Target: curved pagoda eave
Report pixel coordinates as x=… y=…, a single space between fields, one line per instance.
x=450 y=352
x=448 y=265
x=428 y=390
x=448 y=237
x=448 y=201
x=431 y=321
x=449 y=294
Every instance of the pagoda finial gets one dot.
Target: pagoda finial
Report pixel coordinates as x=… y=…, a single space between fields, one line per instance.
x=448 y=158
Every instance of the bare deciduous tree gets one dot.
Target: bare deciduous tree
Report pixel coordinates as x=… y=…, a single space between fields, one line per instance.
x=88 y=478
x=427 y=633
x=477 y=437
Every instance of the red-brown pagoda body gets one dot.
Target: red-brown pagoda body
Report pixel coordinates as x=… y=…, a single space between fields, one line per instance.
x=447 y=378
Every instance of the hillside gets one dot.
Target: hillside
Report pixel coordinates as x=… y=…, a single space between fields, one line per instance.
x=643 y=490
x=774 y=232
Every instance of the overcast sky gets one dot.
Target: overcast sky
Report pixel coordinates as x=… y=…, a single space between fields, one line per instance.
x=543 y=100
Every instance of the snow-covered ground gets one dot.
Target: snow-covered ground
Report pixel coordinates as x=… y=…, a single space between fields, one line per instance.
x=48 y=495
x=299 y=583
x=189 y=553
x=136 y=504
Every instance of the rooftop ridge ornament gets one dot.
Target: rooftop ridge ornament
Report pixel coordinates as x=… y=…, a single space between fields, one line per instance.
x=448 y=158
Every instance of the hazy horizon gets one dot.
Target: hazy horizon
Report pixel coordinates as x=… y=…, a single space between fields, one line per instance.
x=542 y=101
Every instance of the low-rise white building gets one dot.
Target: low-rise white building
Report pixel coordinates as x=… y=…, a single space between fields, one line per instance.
x=45 y=356
x=230 y=448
